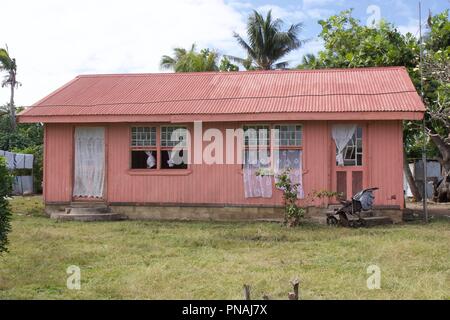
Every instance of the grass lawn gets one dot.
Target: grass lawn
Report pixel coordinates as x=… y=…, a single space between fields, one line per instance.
x=207 y=260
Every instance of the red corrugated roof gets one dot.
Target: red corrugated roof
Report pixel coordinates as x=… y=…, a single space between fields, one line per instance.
x=386 y=89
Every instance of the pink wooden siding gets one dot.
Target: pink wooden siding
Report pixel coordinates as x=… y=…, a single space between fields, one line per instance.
x=58 y=160
x=385 y=140
x=222 y=184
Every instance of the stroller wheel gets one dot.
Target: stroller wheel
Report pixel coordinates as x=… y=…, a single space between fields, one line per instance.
x=332 y=221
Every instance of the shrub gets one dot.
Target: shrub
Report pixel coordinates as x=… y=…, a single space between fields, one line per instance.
x=5 y=210
x=292 y=212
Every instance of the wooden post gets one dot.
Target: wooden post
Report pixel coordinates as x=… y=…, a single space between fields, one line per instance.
x=294 y=295
x=246 y=292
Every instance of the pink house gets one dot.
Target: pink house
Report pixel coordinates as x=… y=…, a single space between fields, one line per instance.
x=111 y=139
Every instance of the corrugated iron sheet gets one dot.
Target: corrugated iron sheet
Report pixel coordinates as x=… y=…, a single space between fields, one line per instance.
x=333 y=90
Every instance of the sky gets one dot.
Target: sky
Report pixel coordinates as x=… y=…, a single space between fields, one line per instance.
x=53 y=41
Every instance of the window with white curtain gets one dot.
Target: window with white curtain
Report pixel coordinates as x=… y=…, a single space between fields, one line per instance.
x=353 y=151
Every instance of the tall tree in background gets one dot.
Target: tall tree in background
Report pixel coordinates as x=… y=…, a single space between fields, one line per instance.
x=9 y=65
x=190 y=60
x=267 y=43
x=349 y=44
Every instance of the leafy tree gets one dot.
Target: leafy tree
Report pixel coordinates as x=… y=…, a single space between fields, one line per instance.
x=190 y=60
x=5 y=211
x=348 y=44
x=267 y=43
x=436 y=71
x=9 y=65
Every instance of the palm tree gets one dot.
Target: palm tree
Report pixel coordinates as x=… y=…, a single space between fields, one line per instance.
x=9 y=65
x=267 y=43
x=190 y=61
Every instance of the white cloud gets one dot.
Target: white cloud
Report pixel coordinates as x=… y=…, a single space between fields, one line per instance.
x=320 y=3
x=53 y=40
x=289 y=15
x=412 y=27
x=317 y=13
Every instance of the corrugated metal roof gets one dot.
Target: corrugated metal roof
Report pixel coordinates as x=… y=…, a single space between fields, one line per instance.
x=331 y=90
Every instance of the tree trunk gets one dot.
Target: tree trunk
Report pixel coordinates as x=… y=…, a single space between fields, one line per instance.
x=409 y=177
x=11 y=101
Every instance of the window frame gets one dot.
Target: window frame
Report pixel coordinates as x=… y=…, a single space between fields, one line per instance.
x=271 y=140
x=162 y=148
x=249 y=147
x=355 y=147
x=290 y=147
x=158 y=148
x=142 y=148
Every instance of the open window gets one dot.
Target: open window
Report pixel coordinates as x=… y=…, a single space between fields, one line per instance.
x=349 y=145
x=174 y=153
x=143 y=148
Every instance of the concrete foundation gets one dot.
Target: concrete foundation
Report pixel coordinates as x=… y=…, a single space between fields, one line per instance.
x=226 y=213
x=218 y=213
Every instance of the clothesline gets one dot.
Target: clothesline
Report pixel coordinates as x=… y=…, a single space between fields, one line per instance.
x=17 y=160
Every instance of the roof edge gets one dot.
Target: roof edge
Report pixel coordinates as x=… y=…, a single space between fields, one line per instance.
x=324 y=70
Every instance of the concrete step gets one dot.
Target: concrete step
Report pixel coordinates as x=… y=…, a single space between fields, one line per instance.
x=85 y=204
x=88 y=217
x=87 y=210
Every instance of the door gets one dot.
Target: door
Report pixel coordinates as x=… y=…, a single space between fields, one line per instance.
x=348 y=162
x=89 y=164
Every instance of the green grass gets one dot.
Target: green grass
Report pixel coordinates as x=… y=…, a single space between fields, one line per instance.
x=206 y=260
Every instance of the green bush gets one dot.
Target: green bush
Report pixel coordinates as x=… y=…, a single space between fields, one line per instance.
x=5 y=210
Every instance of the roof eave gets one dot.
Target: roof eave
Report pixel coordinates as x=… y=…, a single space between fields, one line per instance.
x=282 y=116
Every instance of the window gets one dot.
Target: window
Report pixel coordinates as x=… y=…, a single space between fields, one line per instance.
x=257 y=145
x=288 y=153
x=170 y=153
x=289 y=144
x=174 y=147
x=289 y=135
x=257 y=135
x=143 y=148
x=143 y=136
x=353 y=151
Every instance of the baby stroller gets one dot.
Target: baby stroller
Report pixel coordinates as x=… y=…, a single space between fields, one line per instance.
x=349 y=215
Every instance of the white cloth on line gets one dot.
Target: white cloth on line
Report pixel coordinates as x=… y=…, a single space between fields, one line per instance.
x=19 y=161
x=29 y=160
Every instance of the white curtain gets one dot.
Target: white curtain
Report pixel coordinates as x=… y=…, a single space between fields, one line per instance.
x=256 y=185
x=151 y=161
x=291 y=159
x=89 y=162
x=342 y=134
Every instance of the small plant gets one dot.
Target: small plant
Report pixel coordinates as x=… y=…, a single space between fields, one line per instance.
x=292 y=212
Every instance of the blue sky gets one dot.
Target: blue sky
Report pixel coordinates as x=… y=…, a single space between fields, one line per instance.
x=53 y=40
x=402 y=13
